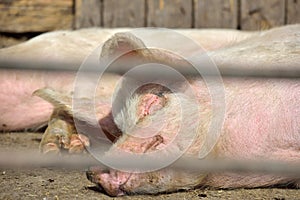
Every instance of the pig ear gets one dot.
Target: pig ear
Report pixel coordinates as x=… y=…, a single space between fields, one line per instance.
x=127 y=51
x=121 y=43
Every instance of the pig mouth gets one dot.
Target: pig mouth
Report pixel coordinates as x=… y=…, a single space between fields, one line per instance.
x=108 y=181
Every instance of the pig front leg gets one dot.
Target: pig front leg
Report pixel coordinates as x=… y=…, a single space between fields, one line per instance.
x=61 y=136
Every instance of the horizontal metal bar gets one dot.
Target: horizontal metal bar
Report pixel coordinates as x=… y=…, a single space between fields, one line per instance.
x=10 y=160
x=224 y=69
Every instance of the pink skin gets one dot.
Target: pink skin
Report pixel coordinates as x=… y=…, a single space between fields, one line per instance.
x=19 y=109
x=16 y=86
x=262 y=121
x=149 y=104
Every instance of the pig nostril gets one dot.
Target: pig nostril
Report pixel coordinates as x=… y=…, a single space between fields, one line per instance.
x=105 y=171
x=100 y=188
x=90 y=175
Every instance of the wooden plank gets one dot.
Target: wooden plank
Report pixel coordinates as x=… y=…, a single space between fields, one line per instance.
x=169 y=13
x=123 y=13
x=35 y=15
x=216 y=13
x=258 y=15
x=87 y=13
x=293 y=11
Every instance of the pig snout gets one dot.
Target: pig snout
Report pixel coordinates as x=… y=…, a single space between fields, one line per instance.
x=110 y=181
x=118 y=183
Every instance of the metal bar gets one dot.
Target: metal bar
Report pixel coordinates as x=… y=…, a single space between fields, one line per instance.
x=34 y=160
x=225 y=69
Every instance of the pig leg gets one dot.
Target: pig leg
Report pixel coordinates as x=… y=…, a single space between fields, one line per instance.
x=60 y=136
x=61 y=133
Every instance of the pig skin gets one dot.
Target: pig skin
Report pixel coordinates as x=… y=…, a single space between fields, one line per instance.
x=19 y=110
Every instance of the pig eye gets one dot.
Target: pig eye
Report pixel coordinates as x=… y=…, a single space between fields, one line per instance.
x=159 y=94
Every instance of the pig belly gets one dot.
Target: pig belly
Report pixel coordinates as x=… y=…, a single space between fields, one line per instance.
x=262 y=121
x=19 y=109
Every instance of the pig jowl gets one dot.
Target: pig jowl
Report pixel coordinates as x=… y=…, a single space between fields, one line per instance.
x=261 y=122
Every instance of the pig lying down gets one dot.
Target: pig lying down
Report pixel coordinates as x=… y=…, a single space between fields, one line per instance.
x=261 y=120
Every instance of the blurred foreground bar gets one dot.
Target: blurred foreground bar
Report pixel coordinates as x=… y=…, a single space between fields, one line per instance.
x=225 y=69
x=23 y=160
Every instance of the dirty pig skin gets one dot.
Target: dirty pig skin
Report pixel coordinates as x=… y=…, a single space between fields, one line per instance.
x=262 y=118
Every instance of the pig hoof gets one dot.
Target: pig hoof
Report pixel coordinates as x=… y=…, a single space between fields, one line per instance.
x=50 y=148
x=61 y=135
x=78 y=142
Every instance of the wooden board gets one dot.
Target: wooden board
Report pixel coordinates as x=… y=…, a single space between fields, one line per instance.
x=123 y=13
x=35 y=15
x=88 y=13
x=216 y=13
x=293 y=11
x=169 y=13
x=258 y=14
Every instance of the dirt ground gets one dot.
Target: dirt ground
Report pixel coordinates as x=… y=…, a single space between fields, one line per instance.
x=54 y=183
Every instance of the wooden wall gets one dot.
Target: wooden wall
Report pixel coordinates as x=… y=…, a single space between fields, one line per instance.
x=45 y=15
x=21 y=17
x=237 y=14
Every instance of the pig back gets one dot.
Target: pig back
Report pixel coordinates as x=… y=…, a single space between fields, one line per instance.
x=262 y=119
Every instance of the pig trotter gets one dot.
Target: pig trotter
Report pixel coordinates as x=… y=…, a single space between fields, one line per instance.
x=61 y=136
x=78 y=143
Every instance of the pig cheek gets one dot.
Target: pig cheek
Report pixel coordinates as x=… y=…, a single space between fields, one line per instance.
x=139 y=183
x=147 y=183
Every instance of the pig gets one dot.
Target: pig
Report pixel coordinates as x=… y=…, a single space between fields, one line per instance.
x=253 y=130
x=261 y=122
x=261 y=118
x=62 y=46
x=68 y=49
